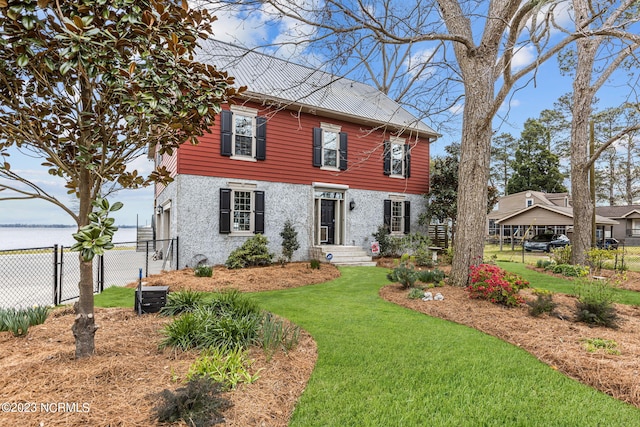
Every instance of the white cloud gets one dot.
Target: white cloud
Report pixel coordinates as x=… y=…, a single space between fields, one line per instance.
x=523 y=56
x=416 y=61
x=456 y=109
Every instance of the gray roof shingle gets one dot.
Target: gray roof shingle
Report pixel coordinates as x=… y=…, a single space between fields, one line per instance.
x=293 y=85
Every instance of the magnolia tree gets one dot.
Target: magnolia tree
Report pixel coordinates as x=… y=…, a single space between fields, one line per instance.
x=88 y=87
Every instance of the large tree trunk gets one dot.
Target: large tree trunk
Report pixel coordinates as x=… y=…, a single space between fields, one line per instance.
x=473 y=172
x=583 y=205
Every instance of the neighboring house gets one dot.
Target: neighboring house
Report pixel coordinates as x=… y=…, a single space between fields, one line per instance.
x=335 y=156
x=529 y=213
x=628 y=217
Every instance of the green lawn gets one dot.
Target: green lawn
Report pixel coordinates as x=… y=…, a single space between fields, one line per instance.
x=631 y=255
x=565 y=286
x=115 y=296
x=383 y=365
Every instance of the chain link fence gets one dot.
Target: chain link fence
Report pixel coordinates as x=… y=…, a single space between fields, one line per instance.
x=50 y=275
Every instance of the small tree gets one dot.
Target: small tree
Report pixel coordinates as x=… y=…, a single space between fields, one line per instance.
x=90 y=86
x=289 y=240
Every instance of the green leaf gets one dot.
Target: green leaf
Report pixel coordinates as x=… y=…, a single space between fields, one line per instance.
x=22 y=60
x=116 y=206
x=102 y=240
x=65 y=67
x=28 y=22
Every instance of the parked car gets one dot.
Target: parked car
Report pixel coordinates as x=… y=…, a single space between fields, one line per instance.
x=546 y=242
x=609 y=243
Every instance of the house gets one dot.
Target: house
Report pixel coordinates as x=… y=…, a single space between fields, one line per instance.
x=528 y=213
x=628 y=217
x=335 y=156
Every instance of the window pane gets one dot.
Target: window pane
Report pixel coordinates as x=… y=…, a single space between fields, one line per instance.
x=244 y=125
x=242 y=211
x=243 y=135
x=330 y=158
x=330 y=140
x=243 y=145
x=330 y=145
x=241 y=221
x=396 y=217
x=397 y=163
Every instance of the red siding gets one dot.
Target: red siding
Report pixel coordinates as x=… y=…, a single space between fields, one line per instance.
x=171 y=163
x=289 y=157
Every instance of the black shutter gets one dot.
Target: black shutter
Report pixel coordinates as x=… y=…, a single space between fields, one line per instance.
x=258 y=219
x=226 y=132
x=407 y=217
x=261 y=138
x=225 y=211
x=343 y=151
x=317 y=147
x=387 y=158
x=387 y=214
x=407 y=160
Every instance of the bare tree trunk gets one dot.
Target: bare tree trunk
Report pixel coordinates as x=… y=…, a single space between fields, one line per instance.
x=583 y=206
x=473 y=172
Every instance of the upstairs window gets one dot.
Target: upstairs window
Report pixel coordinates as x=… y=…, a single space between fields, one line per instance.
x=397 y=158
x=243 y=134
x=329 y=147
x=243 y=139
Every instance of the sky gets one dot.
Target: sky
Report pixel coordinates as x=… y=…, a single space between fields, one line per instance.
x=527 y=102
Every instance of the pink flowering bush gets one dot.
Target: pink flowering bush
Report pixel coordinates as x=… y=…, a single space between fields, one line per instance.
x=490 y=282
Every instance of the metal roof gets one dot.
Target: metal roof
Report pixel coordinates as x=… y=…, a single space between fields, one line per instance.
x=293 y=85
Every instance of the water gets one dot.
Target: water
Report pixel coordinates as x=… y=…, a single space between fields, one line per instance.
x=38 y=237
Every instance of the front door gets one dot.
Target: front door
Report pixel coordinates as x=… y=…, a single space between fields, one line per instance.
x=327 y=221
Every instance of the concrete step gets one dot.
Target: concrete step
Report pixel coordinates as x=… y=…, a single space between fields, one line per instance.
x=343 y=255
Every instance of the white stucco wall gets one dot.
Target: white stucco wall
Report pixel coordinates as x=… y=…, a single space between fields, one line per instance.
x=195 y=205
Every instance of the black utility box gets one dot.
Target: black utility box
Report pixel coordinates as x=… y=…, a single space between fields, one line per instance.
x=153 y=298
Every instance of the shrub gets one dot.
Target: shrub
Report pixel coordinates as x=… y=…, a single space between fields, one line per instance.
x=570 y=270
x=198 y=404
x=253 y=252
x=595 y=302
x=204 y=328
x=275 y=335
x=233 y=303
x=227 y=366
x=597 y=257
x=289 y=240
x=314 y=264
x=382 y=236
x=594 y=344
x=562 y=255
x=424 y=258
x=181 y=301
x=230 y=319
x=490 y=282
x=203 y=271
x=18 y=321
x=403 y=274
x=415 y=293
x=430 y=276
x=544 y=263
x=542 y=304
